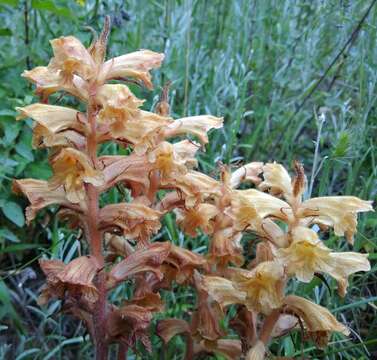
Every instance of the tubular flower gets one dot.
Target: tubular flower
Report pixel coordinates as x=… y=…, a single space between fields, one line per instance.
x=195 y=125
x=265 y=204
x=247 y=173
x=135 y=65
x=223 y=290
x=119 y=106
x=339 y=212
x=71 y=58
x=135 y=220
x=75 y=277
x=319 y=323
x=198 y=217
x=197 y=187
x=72 y=169
x=49 y=81
x=182 y=263
x=129 y=324
x=56 y=125
x=244 y=214
x=225 y=247
x=263 y=286
x=39 y=195
x=307 y=255
x=140 y=261
x=277 y=180
x=167 y=162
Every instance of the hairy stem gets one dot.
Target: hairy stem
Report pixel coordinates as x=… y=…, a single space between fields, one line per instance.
x=94 y=238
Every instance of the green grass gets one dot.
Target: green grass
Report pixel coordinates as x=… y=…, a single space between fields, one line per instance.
x=251 y=61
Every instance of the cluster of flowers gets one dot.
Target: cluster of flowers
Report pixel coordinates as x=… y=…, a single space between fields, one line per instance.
x=160 y=178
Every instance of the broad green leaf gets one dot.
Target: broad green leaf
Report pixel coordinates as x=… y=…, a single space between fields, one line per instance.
x=14 y=213
x=25 y=151
x=11 y=131
x=39 y=170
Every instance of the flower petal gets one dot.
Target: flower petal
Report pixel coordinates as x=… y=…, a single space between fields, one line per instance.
x=223 y=290
x=51 y=123
x=247 y=173
x=76 y=278
x=134 y=170
x=39 y=195
x=198 y=217
x=196 y=187
x=306 y=255
x=263 y=286
x=71 y=57
x=49 y=81
x=257 y=351
x=277 y=180
x=136 y=64
x=71 y=169
x=266 y=205
x=339 y=212
x=129 y=324
x=168 y=328
x=146 y=259
x=136 y=220
x=345 y=264
x=195 y=125
x=318 y=320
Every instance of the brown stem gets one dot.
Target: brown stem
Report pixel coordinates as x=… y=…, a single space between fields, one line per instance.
x=122 y=352
x=268 y=326
x=94 y=237
x=189 y=347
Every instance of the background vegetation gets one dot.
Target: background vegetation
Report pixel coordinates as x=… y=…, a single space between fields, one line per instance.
x=261 y=65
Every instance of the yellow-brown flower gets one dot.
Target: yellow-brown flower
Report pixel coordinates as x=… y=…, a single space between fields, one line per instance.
x=72 y=169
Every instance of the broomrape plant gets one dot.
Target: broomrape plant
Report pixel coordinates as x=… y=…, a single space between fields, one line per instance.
x=160 y=178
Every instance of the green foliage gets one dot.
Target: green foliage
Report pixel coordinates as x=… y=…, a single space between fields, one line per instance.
x=252 y=62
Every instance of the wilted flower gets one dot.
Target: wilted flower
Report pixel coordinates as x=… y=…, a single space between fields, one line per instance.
x=135 y=221
x=71 y=58
x=39 y=195
x=319 y=322
x=76 y=278
x=198 y=217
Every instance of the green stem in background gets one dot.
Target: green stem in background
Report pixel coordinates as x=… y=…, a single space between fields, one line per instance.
x=320 y=121
x=187 y=59
x=27 y=39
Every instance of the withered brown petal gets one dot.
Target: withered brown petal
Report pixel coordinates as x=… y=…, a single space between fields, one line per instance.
x=146 y=259
x=168 y=328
